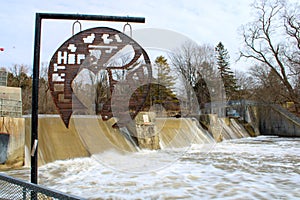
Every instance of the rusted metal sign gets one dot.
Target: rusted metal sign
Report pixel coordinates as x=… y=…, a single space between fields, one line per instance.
x=93 y=50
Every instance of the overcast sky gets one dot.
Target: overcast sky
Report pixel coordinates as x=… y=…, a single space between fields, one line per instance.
x=205 y=22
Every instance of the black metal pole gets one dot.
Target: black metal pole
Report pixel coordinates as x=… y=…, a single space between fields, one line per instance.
x=35 y=98
x=36 y=68
x=91 y=17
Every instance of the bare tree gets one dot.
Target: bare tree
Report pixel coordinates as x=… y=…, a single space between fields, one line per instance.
x=18 y=77
x=266 y=86
x=195 y=64
x=292 y=52
x=267 y=40
x=101 y=91
x=246 y=84
x=91 y=89
x=46 y=103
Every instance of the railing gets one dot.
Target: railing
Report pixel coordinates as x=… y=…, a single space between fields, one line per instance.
x=15 y=189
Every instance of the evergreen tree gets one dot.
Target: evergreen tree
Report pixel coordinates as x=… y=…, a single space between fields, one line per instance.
x=165 y=81
x=201 y=88
x=163 y=72
x=226 y=74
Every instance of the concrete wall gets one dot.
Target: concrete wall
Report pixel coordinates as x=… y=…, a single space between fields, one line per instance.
x=4 y=140
x=55 y=142
x=181 y=132
x=10 y=101
x=274 y=120
x=15 y=128
x=85 y=136
x=89 y=135
x=264 y=119
x=224 y=128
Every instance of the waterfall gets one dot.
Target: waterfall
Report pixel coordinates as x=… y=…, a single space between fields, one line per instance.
x=182 y=132
x=231 y=129
x=90 y=135
x=238 y=129
x=125 y=132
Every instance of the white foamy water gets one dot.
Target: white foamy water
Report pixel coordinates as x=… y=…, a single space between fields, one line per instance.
x=249 y=168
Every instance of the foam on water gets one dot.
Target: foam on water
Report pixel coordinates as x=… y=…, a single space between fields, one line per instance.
x=249 y=168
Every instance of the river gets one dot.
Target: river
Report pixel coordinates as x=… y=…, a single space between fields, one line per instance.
x=264 y=167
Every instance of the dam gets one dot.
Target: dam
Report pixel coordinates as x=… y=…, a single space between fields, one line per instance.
x=167 y=157
x=90 y=135
x=263 y=167
x=213 y=159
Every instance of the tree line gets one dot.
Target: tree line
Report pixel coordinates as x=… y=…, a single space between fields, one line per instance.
x=19 y=76
x=271 y=42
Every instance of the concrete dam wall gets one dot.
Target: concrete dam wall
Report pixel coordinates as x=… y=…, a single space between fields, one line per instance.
x=275 y=120
x=84 y=137
x=268 y=119
x=90 y=135
x=12 y=140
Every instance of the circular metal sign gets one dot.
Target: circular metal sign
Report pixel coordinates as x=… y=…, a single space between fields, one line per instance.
x=94 y=50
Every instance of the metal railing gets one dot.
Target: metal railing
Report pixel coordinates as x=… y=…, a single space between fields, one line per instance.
x=15 y=189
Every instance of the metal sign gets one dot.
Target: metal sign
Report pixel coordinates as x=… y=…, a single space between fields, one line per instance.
x=93 y=50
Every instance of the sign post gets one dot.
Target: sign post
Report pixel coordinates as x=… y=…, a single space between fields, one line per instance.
x=36 y=67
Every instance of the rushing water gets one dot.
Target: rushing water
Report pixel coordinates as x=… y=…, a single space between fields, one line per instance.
x=264 y=167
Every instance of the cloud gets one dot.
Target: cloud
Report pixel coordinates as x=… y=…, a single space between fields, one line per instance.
x=203 y=21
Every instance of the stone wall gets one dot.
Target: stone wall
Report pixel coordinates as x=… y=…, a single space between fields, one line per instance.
x=147 y=134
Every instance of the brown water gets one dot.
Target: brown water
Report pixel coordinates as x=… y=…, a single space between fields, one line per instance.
x=249 y=168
